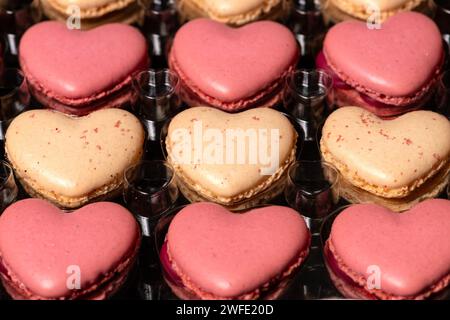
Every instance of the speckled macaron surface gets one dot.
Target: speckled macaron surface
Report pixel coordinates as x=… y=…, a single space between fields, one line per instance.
x=65 y=158
x=386 y=157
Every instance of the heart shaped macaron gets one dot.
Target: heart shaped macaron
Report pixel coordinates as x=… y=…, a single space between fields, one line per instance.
x=77 y=71
x=396 y=64
x=233 y=69
x=48 y=254
x=72 y=161
x=219 y=254
x=233 y=12
x=411 y=250
x=389 y=158
x=211 y=151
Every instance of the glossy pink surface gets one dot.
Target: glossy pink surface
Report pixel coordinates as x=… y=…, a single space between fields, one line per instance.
x=229 y=254
x=396 y=60
x=40 y=244
x=232 y=64
x=79 y=64
x=411 y=249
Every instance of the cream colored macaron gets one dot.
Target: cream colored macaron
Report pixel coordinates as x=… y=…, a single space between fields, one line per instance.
x=403 y=160
x=234 y=12
x=94 y=12
x=72 y=161
x=231 y=159
x=371 y=10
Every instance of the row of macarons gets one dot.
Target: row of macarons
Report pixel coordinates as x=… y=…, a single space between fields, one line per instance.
x=234 y=12
x=389 y=71
x=208 y=252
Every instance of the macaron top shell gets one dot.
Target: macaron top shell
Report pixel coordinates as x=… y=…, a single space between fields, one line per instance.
x=397 y=60
x=387 y=153
x=232 y=64
x=80 y=64
x=74 y=156
x=411 y=249
x=42 y=246
x=230 y=254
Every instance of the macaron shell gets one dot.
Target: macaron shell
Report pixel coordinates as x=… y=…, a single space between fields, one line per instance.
x=397 y=60
x=74 y=156
x=412 y=249
x=233 y=7
x=230 y=254
x=39 y=243
x=225 y=179
x=389 y=154
x=383 y=5
x=80 y=64
x=233 y=64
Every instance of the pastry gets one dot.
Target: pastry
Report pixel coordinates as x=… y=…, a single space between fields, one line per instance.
x=77 y=72
x=388 y=71
x=93 y=13
x=46 y=254
x=233 y=69
x=234 y=12
x=211 y=253
x=374 y=253
x=370 y=10
x=395 y=163
x=212 y=151
x=71 y=161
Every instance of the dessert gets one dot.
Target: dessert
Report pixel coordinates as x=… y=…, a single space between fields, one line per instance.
x=374 y=253
x=77 y=72
x=211 y=253
x=93 y=13
x=233 y=12
x=389 y=71
x=396 y=163
x=233 y=69
x=46 y=254
x=71 y=161
x=237 y=160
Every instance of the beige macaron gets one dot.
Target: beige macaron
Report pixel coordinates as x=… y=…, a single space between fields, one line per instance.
x=93 y=13
x=72 y=161
x=234 y=12
x=370 y=10
x=395 y=163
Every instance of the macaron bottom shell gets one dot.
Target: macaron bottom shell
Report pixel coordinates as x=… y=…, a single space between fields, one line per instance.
x=259 y=198
x=193 y=96
x=340 y=276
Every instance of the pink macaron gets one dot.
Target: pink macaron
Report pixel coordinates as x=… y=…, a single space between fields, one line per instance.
x=374 y=253
x=390 y=70
x=77 y=72
x=233 y=69
x=211 y=253
x=46 y=254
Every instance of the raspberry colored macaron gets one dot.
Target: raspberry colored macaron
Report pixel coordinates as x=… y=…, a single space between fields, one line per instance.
x=374 y=253
x=233 y=69
x=389 y=71
x=77 y=72
x=211 y=253
x=47 y=254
